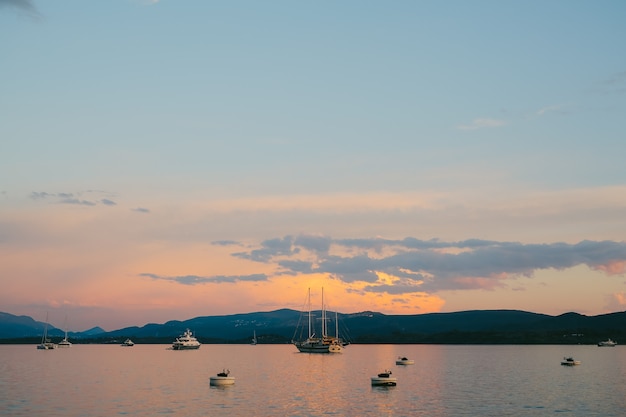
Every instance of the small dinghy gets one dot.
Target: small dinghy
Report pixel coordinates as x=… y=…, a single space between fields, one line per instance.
x=569 y=361
x=384 y=379
x=222 y=378
x=404 y=361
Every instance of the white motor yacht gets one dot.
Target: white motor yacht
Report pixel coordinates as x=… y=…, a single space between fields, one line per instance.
x=186 y=342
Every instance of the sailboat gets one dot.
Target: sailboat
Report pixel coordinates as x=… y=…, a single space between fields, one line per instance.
x=253 y=342
x=323 y=344
x=46 y=344
x=65 y=343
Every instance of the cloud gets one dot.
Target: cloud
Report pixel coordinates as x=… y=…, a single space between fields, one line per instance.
x=270 y=249
x=291 y=266
x=24 y=6
x=216 y=279
x=320 y=244
x=414 y=265
x=39 y=195
x=612 y=267
x=390 y=289
x=77 y=201
x=141 y=210
x=74 y=199
x=557 y=108
x=615 y=84
x=616 y=79
x=616 y=302
x=481 y=124
x=225 y=243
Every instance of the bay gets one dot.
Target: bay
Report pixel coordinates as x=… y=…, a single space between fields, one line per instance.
x=276 y=380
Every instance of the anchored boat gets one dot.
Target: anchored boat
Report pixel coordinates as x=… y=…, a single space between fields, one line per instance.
x=325 y=343
x=222 y=378
x=384 y=379
x=186 y=341
x=569 y=361
x=404 y=361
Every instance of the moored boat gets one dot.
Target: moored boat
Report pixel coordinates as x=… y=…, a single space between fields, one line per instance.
x=324 y=344
x=128 y=343
x=569 y=361
x=384 y=379
x=402 y=360
x=186 y=341
x=222 y=378
x=46 y=344
x=608 y=342
x=65 y=343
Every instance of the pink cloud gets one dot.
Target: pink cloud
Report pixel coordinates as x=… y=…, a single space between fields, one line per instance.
x=612 y=267
x=473 y=283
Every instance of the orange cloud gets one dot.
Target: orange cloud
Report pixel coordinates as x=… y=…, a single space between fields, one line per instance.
x=620 y=298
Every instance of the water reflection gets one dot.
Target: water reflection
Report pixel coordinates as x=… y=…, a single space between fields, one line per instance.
x=275 y=380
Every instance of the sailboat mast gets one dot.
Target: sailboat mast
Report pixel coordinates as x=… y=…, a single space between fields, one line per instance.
x=45 y=331
x=323 y=315
x=310 y=312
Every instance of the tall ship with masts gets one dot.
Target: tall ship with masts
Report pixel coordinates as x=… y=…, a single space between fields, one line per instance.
x=324 y=343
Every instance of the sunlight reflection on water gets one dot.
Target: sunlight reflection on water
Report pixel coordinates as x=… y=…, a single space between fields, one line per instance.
x=272 y=380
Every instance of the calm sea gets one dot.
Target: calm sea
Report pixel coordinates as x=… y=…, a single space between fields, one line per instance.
x=276 y=380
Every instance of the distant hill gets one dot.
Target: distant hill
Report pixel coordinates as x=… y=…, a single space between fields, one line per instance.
x=21 y=326
x=477 y=326
x=94 y=331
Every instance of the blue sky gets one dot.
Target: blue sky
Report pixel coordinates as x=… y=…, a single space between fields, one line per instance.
x=156 y=148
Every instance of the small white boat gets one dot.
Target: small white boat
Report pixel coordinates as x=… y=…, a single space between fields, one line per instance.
x=65 y=343
x=128 y=343
x=222 y=378
x=186 y=342
x=608 y=342
x=46 y=345
x=404 y=361
x=384 y=379
x=569 y=361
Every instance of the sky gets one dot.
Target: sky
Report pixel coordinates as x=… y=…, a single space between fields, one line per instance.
x=164 y=160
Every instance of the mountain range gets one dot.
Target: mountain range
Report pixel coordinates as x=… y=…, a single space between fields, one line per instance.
x=279 y=326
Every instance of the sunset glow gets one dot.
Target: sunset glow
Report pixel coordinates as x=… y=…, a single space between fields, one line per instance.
x=411 y=157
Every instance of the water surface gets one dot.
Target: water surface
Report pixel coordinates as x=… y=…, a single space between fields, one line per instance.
x=276 y=380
